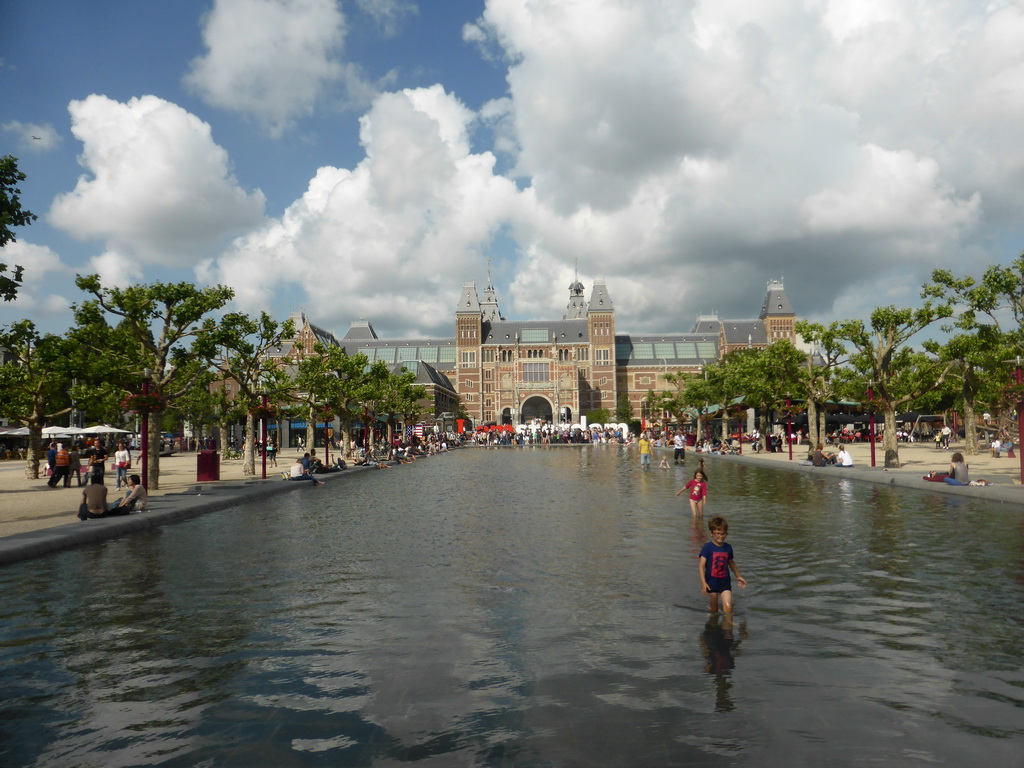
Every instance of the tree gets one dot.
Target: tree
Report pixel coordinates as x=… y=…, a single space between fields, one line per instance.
x=768 y=377
x=820 y=382
x=985 y=340
x=154 y=330
x=239 y=347
x=623 y=409
x=336 y=379
x=898 y=373
x=34 y=386
x=11 y=215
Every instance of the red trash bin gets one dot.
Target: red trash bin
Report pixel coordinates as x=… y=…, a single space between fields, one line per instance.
x=207 y=466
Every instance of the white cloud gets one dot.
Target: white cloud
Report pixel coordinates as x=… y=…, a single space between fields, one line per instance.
x=159 y=189
x=388 y=13
x=390 y=237
x=689 y=152
x=33 y=137
x=42 y=270
x=269 y=58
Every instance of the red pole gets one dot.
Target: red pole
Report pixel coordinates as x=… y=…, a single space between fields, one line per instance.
x=145 y=433
x=1020 y=421
x=871 y=422
x=263 y=435
x=789 y=429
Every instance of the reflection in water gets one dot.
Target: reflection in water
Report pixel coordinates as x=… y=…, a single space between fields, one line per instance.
x=720 y=646
x=533 y=607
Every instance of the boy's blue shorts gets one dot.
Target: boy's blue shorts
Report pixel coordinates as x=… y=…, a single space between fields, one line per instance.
x=719 y=585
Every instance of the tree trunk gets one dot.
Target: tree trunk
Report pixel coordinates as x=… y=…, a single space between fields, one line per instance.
x=35 y=448
x=222 y=437
x=156 y=418
x=890 y=446
x=823 y=425
x=970 y=427
x=249 y=447
x=812 y=423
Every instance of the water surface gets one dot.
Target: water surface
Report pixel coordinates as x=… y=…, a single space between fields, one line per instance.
x=527 y=607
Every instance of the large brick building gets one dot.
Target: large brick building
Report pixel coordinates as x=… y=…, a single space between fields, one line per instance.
x=508 y=371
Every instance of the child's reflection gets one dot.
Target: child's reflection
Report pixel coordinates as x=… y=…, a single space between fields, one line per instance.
x=720 y=648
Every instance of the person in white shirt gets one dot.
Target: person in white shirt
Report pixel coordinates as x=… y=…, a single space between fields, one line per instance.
x=843 y=458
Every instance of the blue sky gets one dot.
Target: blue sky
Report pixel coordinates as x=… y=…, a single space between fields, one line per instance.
x=363 y=158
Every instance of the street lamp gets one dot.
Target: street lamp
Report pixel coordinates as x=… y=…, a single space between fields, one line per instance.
x=871 y=419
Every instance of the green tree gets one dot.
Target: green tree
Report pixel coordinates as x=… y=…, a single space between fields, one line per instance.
x=148 y=328
x=623 y=409
x=240 y=348
x=599 y=416
x=767 y=377
x=34 y=386
x=899 y=374
x=983 y=338
x=820 y=382
x=11 y=215
x=336 y=379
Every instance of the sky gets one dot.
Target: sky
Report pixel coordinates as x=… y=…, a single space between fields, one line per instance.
x=362 y=159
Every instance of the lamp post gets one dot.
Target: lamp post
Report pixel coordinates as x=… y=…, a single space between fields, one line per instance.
x=1018 y=376
x=789 y=427
x=871 y=419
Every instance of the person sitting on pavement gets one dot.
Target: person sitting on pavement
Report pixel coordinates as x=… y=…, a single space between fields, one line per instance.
x=136 y=496
x=300 y=472
x=958 y=471
x=94 y=500
x=843 y=458
x=818 y=457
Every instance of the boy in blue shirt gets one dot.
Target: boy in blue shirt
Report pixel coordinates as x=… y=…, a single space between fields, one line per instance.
x=716 y=559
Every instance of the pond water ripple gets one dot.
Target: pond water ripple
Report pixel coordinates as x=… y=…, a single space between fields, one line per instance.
x=534 y=607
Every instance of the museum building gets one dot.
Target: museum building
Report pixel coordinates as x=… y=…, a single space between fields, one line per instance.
x=511 y=372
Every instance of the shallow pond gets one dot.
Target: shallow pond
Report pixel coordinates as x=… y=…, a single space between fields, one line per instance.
x=527 y=607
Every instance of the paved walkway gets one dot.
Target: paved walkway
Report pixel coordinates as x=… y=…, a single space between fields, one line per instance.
x=35 y=519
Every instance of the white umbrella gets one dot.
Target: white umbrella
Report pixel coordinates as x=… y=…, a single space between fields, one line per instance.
x=102 y=429
x=15 y=432
x=60 y=431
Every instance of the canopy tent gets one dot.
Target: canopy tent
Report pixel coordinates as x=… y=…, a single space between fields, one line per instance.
x=13 y=431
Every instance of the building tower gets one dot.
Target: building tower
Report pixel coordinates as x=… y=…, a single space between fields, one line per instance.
x=468 y=337
x=601 y=330
x=777 y=314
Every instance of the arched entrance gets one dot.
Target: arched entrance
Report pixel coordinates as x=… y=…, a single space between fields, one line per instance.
x=536 y=407
x=506 y=416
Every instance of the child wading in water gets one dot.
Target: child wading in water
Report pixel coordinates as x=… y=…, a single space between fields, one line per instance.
x=698 y=492
x=716 y=559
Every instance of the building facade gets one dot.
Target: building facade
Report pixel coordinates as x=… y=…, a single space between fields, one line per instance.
x=511 y=372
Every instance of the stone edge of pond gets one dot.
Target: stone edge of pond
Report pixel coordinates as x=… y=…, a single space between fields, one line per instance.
x=163 y=510
x=1004 y=494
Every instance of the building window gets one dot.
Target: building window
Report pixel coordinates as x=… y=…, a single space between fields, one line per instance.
x=467 y=383
x=487 y=403
x=506 y=355
x=487 y=387
x=469 y=397
x=601 y=357
x=583 y=353
x=536 y=372
x=488 y=356
x=488 y=373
